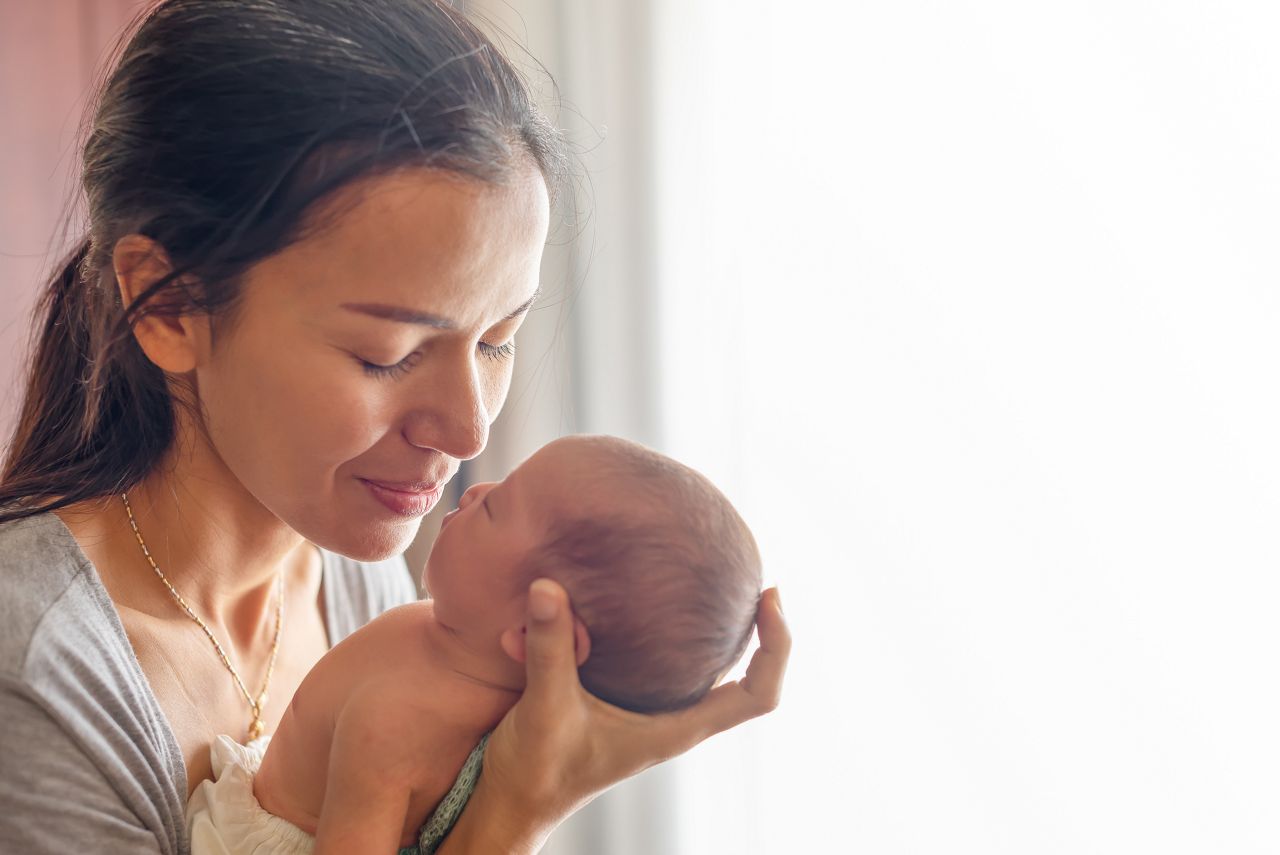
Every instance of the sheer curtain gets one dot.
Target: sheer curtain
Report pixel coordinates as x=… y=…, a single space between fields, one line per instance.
x=971 y=308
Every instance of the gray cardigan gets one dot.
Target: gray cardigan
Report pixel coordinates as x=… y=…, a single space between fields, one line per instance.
x=88 y=762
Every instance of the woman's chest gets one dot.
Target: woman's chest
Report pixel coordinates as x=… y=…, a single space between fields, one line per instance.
x=199 y=695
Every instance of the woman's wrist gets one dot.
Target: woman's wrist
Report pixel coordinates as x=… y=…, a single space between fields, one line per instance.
x=488 y=826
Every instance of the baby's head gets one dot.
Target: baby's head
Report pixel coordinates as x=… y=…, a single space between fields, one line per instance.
x=659 y=567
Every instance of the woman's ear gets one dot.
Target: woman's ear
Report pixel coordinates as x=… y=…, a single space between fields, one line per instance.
x=170 y=342
x=512 y=642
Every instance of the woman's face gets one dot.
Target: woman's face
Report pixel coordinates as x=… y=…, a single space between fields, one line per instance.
x=365 y=361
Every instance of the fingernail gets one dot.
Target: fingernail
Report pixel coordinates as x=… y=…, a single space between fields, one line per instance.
x=542 y=600
x=777 y=598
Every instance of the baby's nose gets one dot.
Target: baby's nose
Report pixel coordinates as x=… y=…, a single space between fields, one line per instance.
x=473 y=492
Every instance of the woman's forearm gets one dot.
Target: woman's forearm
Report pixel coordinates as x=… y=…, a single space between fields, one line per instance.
x=486 y=828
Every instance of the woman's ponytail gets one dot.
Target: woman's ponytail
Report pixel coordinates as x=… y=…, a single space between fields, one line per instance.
x=95 y=413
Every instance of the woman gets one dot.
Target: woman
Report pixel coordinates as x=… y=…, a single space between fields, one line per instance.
x=314 y=231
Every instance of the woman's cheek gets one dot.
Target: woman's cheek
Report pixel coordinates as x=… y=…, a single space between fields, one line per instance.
x=359 y=414
x=495 y=383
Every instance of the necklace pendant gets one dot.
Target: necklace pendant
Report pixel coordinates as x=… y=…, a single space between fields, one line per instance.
x=255 y=728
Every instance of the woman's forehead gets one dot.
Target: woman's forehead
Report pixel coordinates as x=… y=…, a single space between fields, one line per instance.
x=418 y=239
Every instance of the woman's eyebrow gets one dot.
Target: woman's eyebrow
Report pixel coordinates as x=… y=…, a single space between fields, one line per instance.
x=525 y=306
x=400 y=313
x=413 y=316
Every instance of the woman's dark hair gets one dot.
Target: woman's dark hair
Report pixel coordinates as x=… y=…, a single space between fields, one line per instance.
x=222 y=124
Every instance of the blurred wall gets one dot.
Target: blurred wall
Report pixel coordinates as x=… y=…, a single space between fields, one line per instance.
x=49 y=53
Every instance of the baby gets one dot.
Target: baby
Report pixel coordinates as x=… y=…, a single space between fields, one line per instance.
x=659 y=568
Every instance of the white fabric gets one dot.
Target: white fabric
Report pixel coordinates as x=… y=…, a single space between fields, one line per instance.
x=223 y=817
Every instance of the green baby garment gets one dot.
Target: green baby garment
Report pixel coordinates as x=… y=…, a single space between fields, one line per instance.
x=450 y=807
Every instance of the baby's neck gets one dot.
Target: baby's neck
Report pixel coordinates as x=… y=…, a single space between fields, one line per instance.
x=460 y=657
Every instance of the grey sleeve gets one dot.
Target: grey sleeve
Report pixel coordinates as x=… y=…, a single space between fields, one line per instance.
x=53 y=798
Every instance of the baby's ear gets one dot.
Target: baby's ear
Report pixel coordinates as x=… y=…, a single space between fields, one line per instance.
x=581 y=641
x=512 y=642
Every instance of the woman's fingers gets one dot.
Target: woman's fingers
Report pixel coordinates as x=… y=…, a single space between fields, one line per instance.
x=768 y=666
x=550 y=668
x=559 y=746
x=757 y=693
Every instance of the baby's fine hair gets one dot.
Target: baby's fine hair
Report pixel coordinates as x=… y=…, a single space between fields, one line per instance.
x=661 y=569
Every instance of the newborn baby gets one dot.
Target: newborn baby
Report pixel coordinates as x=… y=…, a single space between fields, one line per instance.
x=659 y=568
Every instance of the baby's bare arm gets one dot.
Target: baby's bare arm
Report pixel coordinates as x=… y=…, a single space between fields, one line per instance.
x=370 y=781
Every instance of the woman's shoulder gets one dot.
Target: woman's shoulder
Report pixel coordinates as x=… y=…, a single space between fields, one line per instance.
x=76 y=706
x=356 y=592
x=61 y=639
x=44 y=578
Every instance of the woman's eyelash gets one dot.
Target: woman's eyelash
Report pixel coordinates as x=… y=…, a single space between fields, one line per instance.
x=500 y=351
x=373 y=369
x=489 y=351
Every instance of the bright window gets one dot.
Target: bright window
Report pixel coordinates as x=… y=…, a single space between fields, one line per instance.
x=972 y=309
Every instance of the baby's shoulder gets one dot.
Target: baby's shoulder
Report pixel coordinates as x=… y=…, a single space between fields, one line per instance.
x=392 y=658
x=370 y=661
x=394 y=640
x=404 y=727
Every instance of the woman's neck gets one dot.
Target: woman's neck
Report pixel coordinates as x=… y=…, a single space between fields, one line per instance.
x=213 y=541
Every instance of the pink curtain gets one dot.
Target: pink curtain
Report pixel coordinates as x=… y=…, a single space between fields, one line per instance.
x=50 y=55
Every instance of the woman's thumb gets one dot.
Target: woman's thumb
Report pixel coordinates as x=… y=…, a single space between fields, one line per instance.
x=549 y=657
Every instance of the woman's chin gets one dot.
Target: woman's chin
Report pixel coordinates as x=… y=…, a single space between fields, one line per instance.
x=375 y=541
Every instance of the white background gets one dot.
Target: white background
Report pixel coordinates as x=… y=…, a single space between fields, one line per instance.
x=972 y=309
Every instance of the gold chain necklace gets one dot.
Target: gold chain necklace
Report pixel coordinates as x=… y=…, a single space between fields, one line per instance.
x=255 y=704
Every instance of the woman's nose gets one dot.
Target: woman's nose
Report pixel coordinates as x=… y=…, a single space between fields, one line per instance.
x=451 y=416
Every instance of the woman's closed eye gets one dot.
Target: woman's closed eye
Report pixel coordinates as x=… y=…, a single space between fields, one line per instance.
x=376 y=369
x=488 y=351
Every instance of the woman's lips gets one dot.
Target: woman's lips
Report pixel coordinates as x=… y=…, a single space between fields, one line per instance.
x=405 y=500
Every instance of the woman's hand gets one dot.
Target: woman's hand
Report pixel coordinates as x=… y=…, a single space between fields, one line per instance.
x=559 y=746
